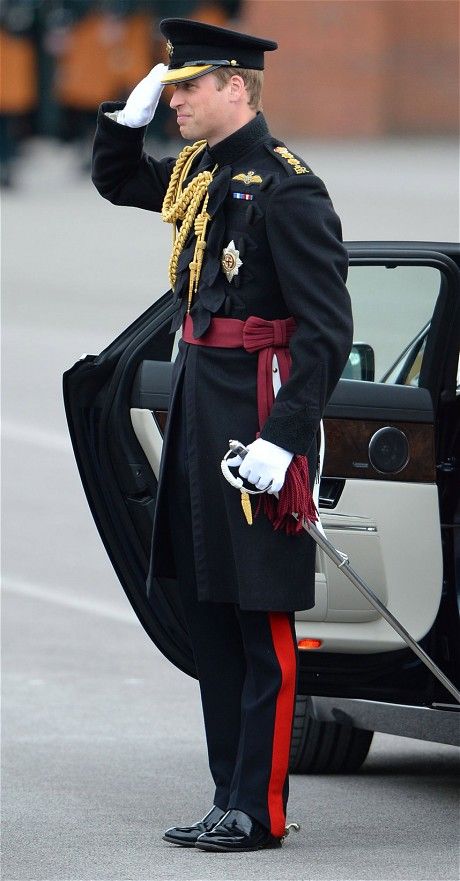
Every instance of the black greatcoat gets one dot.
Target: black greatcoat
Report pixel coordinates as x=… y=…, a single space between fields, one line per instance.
x=294 y=264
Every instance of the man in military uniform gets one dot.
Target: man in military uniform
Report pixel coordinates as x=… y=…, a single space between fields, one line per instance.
x=258 y=271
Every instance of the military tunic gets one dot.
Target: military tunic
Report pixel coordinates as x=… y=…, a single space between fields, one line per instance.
x=275 y=212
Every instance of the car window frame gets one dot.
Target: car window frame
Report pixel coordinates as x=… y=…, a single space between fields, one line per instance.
x=446 y=314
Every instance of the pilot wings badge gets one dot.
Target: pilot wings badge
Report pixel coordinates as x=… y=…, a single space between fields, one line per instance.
x=230 y=260
x=248 y=177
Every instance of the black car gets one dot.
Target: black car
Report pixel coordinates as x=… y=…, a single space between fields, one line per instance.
x=389 y=497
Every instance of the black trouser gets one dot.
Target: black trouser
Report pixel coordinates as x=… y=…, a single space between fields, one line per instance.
x=247 y=665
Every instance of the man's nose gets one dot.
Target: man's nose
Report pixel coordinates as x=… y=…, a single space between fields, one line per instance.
x=176 y=99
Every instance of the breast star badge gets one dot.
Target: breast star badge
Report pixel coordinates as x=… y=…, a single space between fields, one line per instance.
x=230 y=260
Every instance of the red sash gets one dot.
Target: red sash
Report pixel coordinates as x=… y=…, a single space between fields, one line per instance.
x=268 y=338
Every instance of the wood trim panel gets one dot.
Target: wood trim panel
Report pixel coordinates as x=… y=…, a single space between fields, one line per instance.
x=347 y=442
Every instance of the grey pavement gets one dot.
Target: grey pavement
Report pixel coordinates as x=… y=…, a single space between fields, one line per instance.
x=104 y=748
x=103 y=742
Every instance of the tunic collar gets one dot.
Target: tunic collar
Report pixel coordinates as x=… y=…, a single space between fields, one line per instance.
x=229 y=150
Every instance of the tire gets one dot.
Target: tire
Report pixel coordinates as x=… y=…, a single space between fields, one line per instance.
x=325 y=747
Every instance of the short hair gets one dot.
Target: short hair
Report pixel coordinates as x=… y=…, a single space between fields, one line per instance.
x=253 y=80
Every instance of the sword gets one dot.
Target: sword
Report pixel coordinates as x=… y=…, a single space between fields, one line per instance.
x=342 y=562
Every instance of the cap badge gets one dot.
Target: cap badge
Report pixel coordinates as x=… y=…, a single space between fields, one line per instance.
x=248 y=178
x=230 y=260
x=170 y=48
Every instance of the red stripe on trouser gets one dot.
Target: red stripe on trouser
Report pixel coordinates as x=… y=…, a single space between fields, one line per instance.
x=286 y=654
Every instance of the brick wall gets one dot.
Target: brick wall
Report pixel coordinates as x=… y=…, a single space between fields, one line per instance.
x=359 y=68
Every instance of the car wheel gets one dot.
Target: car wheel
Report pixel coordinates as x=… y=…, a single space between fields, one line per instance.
x=325 y=747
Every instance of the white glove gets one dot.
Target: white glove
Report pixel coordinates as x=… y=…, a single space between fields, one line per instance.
x=140 y=107
x=265 y=462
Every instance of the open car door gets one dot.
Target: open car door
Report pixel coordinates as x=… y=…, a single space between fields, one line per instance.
x=387 y=494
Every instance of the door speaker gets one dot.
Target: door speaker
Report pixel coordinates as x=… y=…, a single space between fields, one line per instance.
x=388 y=450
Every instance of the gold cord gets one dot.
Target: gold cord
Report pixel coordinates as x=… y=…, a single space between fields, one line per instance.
x=184 y=205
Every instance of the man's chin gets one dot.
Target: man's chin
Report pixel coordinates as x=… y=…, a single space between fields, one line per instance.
x=189 y=133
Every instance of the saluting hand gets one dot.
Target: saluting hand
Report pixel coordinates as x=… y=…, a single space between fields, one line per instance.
x=140 y=107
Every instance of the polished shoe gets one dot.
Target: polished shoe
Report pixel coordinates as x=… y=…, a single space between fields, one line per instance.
x=237 y=831
x=186 y=836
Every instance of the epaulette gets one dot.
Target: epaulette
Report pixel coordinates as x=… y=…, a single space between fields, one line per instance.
x=291 y=163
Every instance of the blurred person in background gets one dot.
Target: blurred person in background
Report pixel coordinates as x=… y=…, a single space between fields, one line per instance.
x=101 y=48
x=18 y=80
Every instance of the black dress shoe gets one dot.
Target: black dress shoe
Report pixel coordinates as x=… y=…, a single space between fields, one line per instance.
x=237 y=831
x=186 y=836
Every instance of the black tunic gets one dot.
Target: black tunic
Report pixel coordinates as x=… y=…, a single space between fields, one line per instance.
x=293 y=264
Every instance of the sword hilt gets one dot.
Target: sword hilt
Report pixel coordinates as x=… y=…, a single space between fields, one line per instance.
x=236 y=448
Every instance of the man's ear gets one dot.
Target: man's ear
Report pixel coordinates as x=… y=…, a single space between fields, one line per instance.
x=237 y=89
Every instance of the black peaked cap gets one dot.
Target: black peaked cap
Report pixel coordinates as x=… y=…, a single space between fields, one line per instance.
x=196 y=48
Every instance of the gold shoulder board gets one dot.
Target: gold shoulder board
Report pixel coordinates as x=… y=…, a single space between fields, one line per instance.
x=291 y=160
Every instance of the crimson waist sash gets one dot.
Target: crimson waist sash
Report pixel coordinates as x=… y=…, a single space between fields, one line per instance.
x=268 y=338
